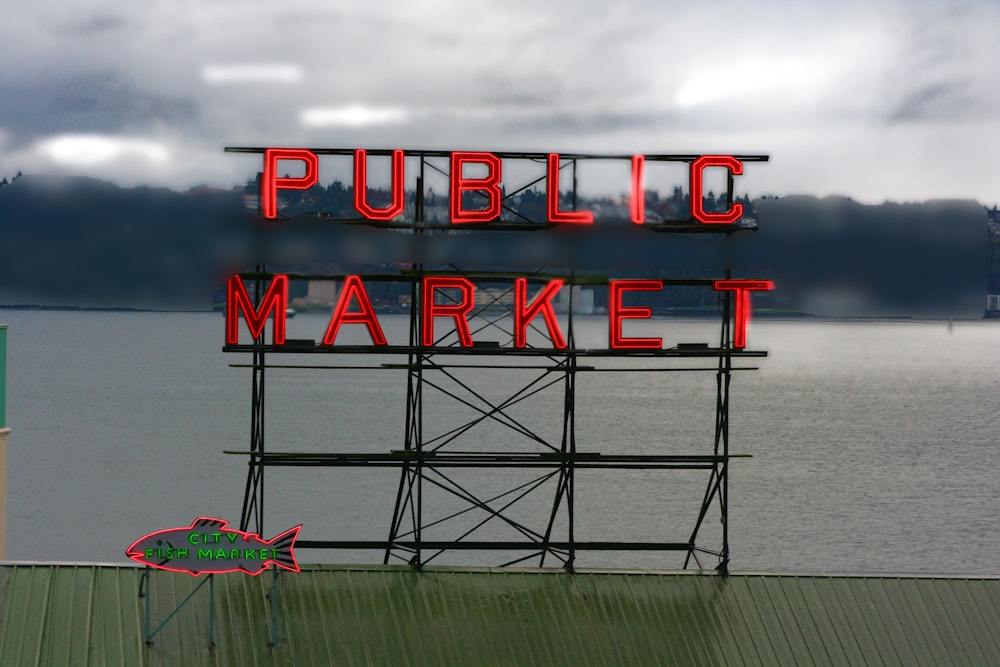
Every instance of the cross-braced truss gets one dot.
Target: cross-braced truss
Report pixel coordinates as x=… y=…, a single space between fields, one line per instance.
x=437 y=507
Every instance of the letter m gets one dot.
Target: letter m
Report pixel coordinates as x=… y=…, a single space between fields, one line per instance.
x=237 y=299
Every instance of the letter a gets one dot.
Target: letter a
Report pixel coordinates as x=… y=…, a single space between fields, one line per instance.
x=354 y=288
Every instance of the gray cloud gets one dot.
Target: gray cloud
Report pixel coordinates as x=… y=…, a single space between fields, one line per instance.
x=942 y=74
x=95 y=101
x=87 y=97
x=97 y=25
x=943 y=100
x=531 y=90
x=807 y=83
x=573 y=123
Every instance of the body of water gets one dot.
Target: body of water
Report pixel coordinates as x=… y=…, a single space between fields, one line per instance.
x=874 y=445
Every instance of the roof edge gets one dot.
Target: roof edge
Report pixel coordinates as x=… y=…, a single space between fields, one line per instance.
x=314 y=567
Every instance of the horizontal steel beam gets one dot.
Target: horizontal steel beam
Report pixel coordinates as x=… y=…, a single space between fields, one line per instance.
x=579 y=460
x=491 y=350
x=513 y=155
x=497 y=546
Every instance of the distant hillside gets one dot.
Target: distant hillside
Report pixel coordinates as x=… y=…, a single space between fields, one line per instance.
x=83 y=242
x=835 y=256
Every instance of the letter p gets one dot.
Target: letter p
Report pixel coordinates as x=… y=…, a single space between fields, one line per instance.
x=270 y=183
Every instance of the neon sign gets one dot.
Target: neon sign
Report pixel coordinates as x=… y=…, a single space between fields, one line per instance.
x=354 y=306
x=207 y=546
x=275 y=303
x=489 y=186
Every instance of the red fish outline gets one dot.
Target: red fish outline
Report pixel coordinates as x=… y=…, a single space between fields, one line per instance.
x=282 y=543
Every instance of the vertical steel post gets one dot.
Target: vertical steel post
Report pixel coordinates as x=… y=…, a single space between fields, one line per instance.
x=729 y=188
x=574 y=185
x=417 y=309
x=253 y=496
x=718 y=480
x=569 y=413
x=211 y=612
x=274 y=607
x=413 y=428
x=724 y=377
x=145 y=580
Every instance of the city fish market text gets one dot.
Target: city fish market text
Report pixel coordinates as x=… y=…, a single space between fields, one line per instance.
x=207 y=546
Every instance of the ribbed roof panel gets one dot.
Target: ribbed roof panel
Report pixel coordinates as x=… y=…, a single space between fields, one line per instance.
x=93 y=615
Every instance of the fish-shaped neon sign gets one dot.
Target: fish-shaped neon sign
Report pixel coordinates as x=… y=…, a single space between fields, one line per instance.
x=207 y=546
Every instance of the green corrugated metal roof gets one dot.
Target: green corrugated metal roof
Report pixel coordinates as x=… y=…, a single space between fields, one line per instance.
x=93 y=615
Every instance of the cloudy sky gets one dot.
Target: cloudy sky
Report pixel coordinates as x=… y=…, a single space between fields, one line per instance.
x=877 y=100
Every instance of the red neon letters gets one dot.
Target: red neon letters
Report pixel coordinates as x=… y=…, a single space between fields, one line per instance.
x=361 y=187
x=488 y=187
x=524 y=313
x=698 y=211
x=617 y=312
x=275 y=300
x=742 y=298
x=552 y=197
x=354 y=289
x=270 y=183
x=460 y=185
x=457 y=310
x=637 y=196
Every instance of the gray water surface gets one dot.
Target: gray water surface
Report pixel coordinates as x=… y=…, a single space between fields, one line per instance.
x=875 y=444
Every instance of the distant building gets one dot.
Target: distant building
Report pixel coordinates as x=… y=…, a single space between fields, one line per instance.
x=494 y=296
x=992 y=305
x=318 y=293
x=583 y=300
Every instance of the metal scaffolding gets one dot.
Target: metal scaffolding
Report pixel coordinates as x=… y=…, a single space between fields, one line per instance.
x=427 y=461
